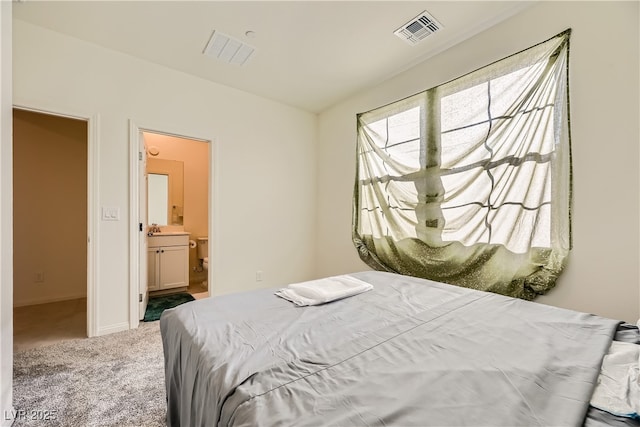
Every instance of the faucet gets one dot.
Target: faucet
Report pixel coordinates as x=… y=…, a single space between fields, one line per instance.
x=154 y=228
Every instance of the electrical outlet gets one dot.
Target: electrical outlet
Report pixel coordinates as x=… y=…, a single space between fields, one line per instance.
x=259 y=276
x=39 y=277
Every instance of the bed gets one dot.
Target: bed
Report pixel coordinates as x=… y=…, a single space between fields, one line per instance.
x=408 y=352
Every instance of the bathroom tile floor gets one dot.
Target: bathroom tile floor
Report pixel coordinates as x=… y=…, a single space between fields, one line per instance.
x=44 y=324
x=198 y=291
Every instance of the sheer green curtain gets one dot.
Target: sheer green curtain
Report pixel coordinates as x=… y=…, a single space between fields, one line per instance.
x=469 y=182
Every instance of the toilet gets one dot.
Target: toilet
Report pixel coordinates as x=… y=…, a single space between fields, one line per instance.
x=203 y=253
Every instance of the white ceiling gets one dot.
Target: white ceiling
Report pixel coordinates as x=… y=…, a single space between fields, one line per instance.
x=309 y=54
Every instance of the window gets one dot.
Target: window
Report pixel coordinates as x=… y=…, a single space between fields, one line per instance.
x=472 y=171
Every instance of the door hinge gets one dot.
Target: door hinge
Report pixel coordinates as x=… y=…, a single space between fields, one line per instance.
x=139 y=297
x=140 y=155
x=140 y=226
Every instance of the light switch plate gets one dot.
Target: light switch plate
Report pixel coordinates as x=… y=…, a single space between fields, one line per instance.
x=110 y=214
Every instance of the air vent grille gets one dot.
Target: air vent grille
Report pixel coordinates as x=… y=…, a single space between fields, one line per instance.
x=227 y=49
x=418 y=28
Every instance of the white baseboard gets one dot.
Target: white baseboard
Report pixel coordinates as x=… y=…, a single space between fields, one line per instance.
x=112 y=329
x=46 y=300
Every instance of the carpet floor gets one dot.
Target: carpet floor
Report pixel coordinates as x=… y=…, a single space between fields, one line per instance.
x=113 y=380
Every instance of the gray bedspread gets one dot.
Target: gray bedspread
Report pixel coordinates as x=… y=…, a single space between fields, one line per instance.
x=411 y=352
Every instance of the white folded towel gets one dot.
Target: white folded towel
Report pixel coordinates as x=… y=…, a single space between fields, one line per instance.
x=618 y=387
x=325 y=290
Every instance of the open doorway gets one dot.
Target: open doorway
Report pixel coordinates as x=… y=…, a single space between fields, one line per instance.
x=50 y=176
x=173 y=198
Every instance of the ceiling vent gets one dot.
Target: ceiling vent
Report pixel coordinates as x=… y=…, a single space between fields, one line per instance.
x=227 y=49
x=418 y=28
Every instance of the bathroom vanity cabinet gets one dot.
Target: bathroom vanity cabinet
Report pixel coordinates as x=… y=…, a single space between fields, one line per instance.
x=167 y=261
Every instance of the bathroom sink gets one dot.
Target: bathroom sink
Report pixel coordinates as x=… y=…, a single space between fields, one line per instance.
x=171 y=233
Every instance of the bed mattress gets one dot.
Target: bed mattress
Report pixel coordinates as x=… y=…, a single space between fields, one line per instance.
x=408 y=352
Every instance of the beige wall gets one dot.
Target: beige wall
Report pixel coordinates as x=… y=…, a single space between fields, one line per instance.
x=265 y=153
x=50 y=208
x=6 y=215
x=195 y=156
x=602 y=276
x=257 y=140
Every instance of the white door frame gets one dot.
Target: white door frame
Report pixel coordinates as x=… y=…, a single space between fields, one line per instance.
x=143 y=249
x=134 y=202
x=93 y=122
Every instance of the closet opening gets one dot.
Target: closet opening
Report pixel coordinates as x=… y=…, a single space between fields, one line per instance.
x=50 y=228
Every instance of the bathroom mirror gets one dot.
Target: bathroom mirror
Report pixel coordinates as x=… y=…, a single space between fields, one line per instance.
x=165 y=192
